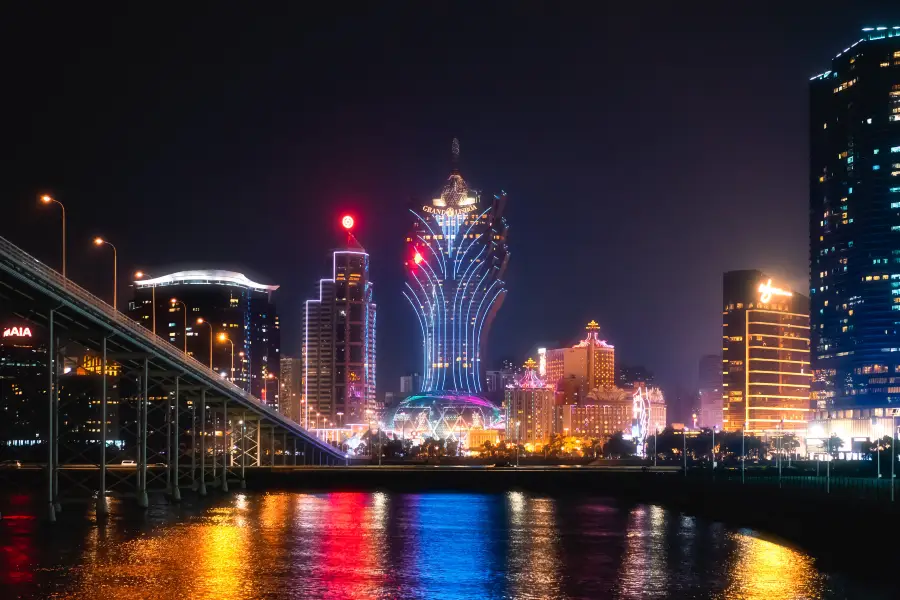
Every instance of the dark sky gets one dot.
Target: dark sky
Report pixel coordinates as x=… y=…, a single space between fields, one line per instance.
x=646 y=149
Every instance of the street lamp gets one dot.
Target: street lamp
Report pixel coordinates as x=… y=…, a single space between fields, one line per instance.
x=98 y=241
x=201 y=321
x=173 y=302
x=141 y=275
x=224 y=338
x=50 y=200
x=340 y=417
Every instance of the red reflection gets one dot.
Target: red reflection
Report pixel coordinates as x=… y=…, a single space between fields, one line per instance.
x=350 y=558
x=19 y=532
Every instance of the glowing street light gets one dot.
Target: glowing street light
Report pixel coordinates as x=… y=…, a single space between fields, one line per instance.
x=224 y=338
x=99 y=241
x=200 y=321
x=173 y=302
x=46 y=199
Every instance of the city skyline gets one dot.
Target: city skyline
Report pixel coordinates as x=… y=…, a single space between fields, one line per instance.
x=566 y=184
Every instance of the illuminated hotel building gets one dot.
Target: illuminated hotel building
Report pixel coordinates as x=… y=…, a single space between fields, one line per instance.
x=572 y=366
x=228 y=303
x=339 y=342
x=457 y=255
x=855 y=225
x=765 y=355
x=529 y=405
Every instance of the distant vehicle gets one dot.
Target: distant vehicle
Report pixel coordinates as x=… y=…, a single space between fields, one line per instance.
x=129 y=463
x=160 y=465
x=502 y=463
x=10 y=464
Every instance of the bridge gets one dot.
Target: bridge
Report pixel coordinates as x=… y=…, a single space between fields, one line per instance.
x=191 y=427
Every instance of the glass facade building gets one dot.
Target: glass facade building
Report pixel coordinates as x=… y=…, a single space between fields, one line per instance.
x=457 y=254
x=228 y=303
x=855 y=224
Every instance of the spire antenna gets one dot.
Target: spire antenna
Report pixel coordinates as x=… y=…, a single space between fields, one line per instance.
x=454 y=149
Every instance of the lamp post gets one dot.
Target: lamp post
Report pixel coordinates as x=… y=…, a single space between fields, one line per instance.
x=46 y=199
x=340 y=417
x=224 y=338
x=98 y=241
x=173 y=302
x=141 y=275
x=201 y=321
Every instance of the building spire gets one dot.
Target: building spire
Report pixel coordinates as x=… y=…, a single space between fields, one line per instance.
x=454 y=155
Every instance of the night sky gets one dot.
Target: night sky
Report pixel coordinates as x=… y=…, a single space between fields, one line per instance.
x=645 y=150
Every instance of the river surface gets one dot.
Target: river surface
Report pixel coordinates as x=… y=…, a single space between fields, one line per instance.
x=390 y=545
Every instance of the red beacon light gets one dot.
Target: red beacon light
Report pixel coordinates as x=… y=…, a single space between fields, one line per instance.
x=347 y=222
x=418 y=258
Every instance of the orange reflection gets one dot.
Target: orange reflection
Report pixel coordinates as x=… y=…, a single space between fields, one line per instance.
x=764 y=571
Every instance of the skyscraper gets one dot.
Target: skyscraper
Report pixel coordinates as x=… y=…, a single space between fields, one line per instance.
x=193 y=309
x=765 y=355
x=339 y=341
x=591 y=362
x=457 y=255
x=855 y=224
x=710 y=391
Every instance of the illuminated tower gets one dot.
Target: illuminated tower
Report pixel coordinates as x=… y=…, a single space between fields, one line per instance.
x=339 y=342
x=854 y=184
x=457 y=256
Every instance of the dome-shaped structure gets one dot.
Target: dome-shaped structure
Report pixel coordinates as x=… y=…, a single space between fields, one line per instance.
x=442 y=416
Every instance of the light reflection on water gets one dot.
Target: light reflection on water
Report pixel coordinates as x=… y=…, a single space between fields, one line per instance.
x=387 y=545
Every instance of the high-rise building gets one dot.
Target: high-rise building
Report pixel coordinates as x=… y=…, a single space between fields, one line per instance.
x=339 y=341
x=591 y=363
x=410 y=384
x=457 y=257
x=529 y=405
x=765 y=355
x=855 y=224
x=710 y=392
x=221 y=318
x=23 y=383
x=291 y=389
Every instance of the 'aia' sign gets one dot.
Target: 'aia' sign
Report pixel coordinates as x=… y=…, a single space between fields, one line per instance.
x=17 y=332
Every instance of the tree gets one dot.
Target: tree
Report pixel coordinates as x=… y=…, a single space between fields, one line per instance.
x=617 y=446
x=833 y=445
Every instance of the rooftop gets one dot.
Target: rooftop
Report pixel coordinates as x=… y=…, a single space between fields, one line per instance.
x=209 y=277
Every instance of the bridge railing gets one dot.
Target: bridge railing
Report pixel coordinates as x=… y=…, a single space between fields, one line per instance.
x=31 y=268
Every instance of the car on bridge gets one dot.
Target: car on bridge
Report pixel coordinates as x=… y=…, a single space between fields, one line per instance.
x=10 y=464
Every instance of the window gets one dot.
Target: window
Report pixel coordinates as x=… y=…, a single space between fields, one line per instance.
x=895 y=189
x=876 y=167
x=895 y=149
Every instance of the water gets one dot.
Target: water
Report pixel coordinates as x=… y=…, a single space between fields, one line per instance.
x=388 y=545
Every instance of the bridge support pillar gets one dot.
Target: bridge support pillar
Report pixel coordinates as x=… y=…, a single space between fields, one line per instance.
x=175 y=449
x=295 y=452
x=273 y=445
x=143 y=501
x=284 y=448
x=243 y=449
x=226 y=451
x=57 y=507
x=102 y=508
x=259 y=443
x=194 y=483
x=202 y=487
x=51 y=509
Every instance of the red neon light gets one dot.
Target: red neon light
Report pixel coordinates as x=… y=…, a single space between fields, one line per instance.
x=417 y=258
x=347 y=222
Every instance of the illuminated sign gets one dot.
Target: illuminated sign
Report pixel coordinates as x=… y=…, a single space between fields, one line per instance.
x=449 y=211
x=17 y=332
x=766 y=291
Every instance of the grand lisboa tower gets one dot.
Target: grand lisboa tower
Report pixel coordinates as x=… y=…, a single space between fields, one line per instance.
x=457 y=254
